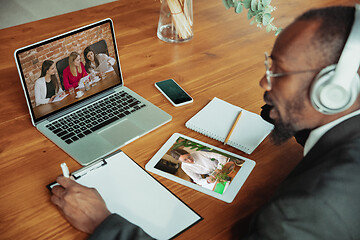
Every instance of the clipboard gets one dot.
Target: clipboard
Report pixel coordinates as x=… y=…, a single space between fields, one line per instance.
x=134 y=194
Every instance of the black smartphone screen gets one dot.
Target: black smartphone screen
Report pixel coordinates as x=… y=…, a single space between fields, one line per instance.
x=173 y=91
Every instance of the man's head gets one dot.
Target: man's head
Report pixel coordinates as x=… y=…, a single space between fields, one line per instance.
x=182 y=155
x=313 y=41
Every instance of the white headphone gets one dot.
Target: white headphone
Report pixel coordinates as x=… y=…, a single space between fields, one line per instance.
x=337 y=86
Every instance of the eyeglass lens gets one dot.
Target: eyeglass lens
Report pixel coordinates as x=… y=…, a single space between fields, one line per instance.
x=268 y=63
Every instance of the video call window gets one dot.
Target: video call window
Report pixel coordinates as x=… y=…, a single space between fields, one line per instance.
x=58 y=51
x=200 y=165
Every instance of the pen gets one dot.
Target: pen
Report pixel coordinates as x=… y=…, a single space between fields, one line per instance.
x=232 y=128
x=65 y=170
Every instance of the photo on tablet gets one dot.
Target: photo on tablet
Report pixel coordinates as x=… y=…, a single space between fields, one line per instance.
x=199 y=164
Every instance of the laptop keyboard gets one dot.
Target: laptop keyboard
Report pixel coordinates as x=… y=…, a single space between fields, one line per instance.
x=93 y=117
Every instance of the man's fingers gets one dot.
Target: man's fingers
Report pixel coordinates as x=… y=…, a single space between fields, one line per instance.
x=58 y=191
x=69 y=184
x=57 y=201
x=65 y=182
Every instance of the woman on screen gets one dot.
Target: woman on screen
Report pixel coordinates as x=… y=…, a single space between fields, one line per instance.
x=93 y=61
x=74 y=72
x=47 y=86
x=200 y=163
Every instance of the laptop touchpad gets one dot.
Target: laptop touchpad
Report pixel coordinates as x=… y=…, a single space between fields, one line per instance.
x=121 y=132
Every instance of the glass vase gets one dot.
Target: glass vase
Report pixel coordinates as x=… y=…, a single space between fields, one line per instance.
x=175 y=21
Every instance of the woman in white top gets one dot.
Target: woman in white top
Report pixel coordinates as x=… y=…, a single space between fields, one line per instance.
x=47 y=86
x=93 y=61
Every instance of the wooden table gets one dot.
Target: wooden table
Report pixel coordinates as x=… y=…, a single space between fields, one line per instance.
x=224 y=59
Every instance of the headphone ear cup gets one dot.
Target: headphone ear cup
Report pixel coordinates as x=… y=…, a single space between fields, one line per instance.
x=337 y=87
x=329 y=98
x=321 y=79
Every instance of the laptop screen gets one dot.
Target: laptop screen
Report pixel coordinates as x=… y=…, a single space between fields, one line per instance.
x=66 y=69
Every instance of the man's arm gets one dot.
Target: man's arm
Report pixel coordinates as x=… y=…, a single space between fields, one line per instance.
x=85 y=209
x=118 y=228
x=298 y=217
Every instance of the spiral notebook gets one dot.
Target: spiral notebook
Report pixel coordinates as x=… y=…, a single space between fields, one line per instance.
x=216 y=119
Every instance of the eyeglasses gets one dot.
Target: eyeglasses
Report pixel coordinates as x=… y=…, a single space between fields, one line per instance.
x=270 y=74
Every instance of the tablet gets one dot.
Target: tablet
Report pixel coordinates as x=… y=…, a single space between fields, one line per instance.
x=201 y=166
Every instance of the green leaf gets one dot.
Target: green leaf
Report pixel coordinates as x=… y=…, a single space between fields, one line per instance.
x=266 y=19
x=266 y=2
x=258 y=18
x=272 y=19
x=254 y=5
x=250 y=14
x=259 y=9
x=247 y=4
x=268 y=28
x=239 y=8
x=226 y=4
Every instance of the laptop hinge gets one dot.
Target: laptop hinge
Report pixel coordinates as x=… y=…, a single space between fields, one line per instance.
x=81 y=104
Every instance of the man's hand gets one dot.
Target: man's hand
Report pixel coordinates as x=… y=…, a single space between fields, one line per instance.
x=83 y=207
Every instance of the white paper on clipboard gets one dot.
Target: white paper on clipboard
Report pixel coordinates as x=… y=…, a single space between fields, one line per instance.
x=134 y=194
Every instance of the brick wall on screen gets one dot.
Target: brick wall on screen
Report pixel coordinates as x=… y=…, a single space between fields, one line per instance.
x=31 y=61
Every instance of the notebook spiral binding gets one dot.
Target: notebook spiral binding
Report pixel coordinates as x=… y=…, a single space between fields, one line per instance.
x=216 y=137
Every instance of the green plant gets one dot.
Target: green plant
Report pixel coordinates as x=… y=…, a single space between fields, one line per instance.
x=260 y=10
x=190 y=144
x=182 y=142
x=223 y=176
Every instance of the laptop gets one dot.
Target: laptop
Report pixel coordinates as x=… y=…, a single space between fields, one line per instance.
x=92 y=120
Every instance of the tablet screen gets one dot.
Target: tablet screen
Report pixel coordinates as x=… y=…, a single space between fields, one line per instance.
x=201 y=166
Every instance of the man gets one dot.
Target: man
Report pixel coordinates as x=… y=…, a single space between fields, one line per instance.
x=200 y=163
x=320 y=198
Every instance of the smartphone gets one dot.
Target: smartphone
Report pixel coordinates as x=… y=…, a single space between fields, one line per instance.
x=173 y=92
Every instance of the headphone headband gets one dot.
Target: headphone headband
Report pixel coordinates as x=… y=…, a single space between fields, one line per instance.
x=349 y=61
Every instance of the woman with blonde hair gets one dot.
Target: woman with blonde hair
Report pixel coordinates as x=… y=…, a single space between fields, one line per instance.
x=74 y=72
x=47 y=86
